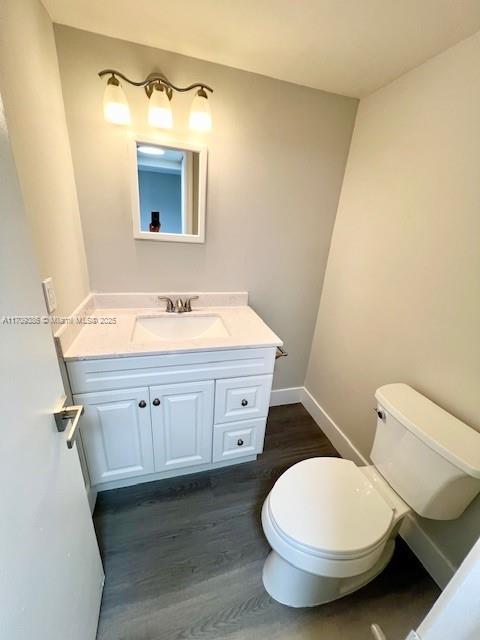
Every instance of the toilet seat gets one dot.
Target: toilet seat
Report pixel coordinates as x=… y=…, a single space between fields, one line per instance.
x=326 y=507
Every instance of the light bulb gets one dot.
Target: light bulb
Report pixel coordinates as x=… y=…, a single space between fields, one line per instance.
x=200 y=113
x=159 y=109
x=150 y=151
x=115 y=105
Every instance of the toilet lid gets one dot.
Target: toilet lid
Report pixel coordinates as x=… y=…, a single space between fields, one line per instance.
x=330 y=506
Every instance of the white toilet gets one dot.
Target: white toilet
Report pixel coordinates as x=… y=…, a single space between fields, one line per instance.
x=332 y=525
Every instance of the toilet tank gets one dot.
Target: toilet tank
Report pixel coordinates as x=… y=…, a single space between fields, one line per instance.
x=429 y=457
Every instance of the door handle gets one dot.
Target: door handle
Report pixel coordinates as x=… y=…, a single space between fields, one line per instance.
x=280 y=353
x=63 y=414
x=377 y=632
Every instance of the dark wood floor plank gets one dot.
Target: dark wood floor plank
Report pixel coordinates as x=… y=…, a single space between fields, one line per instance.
x=183 y=557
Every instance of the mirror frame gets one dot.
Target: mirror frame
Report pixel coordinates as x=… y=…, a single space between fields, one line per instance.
x=169 y=143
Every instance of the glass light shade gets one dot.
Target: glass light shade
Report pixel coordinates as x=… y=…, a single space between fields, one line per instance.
x=115 y=105
x=159 y=110
x=200 y=113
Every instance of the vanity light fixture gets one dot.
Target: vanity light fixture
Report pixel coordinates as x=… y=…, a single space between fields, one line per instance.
x=159 y=109
x=200 y=113
x=115 y=105
x=159 y=91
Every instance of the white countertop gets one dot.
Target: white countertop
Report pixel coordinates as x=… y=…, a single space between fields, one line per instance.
x=103 y=339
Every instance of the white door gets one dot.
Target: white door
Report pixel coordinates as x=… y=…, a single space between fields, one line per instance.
x=117 y=433
x=456 y=613
x=182 y=422
x=51 y=575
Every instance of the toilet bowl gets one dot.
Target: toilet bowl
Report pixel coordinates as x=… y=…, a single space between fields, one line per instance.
x=332 y=524
x=331 y=528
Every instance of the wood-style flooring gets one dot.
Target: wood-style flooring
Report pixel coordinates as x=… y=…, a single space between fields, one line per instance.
x=183 y=557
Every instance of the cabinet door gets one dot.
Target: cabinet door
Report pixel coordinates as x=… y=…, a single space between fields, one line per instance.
x=117 y=433
x=182 y=422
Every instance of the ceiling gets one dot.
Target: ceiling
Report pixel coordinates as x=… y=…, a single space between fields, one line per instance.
x=351 y=47
x=170 y=161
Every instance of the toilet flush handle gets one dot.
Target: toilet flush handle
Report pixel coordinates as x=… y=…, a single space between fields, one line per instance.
x=381 y=414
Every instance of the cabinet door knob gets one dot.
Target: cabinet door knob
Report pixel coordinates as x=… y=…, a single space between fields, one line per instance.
x=244 y=402
x=240 y=442
x=156 y=402
x=142 y=404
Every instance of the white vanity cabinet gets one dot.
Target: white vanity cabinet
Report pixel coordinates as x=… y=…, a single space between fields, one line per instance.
x=150 y=417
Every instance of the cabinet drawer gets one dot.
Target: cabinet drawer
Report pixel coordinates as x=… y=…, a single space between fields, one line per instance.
x=242 y=398
x=238 y=439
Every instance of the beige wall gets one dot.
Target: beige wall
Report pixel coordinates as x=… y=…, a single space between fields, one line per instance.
x=276 y=161
x=401 y=299
x=34 y=108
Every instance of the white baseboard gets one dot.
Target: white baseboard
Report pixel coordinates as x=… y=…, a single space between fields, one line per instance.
x=340 y=441
x=290 y=395
x=429 y=554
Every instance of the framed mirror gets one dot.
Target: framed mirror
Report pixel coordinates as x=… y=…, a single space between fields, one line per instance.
x=169 y=183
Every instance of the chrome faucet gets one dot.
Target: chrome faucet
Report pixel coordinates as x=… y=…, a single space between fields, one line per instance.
x=170 y=308
x=179 y=306
x=187 y=306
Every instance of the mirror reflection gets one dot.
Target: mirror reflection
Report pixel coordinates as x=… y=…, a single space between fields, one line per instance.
x=168 y=189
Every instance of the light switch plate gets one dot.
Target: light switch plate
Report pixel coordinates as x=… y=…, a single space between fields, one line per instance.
x=49 y=293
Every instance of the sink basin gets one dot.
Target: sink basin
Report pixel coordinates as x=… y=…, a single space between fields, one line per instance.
x=178 y=327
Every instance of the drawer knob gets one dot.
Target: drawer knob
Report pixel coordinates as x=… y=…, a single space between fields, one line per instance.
x=142 y=404
x=156 y=402
x=244 y=402
x=240 y=442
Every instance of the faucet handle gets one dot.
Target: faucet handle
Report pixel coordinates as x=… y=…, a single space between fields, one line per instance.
x=188 y=303
x=170 y=306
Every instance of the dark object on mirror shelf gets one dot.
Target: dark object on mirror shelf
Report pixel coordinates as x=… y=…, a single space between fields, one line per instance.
x=155 y=223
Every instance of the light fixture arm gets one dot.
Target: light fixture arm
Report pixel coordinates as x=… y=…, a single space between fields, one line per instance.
x=153 y=79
